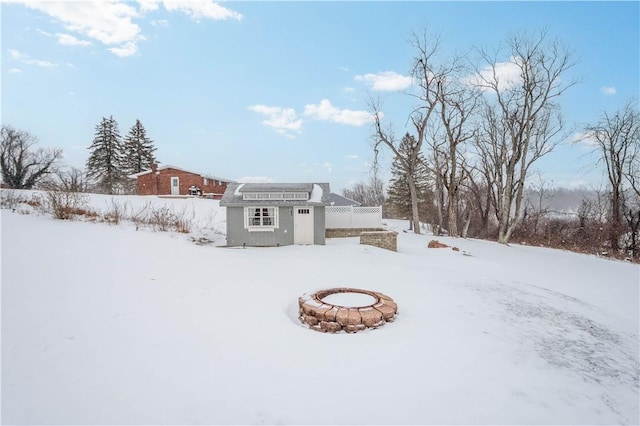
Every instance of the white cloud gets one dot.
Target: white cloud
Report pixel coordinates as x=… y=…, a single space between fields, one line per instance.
x=585 y=138
x=41 y=63
x=24 y=58
x=507 y=74
x=255 y=179
x=44 y=33
x=127 y=49
x=198 y=9
x=282 y=120
x=349 y=90
x=109 y=22
x=160 y=23
x=351 y=157
x=16 y=54
x=69 y=40
x=326 y=112
x=327 y=166
x=112 y=22
x=388 y=81
x=341 y=68
x=608 y=90
x=14 y=70
x=148 y=5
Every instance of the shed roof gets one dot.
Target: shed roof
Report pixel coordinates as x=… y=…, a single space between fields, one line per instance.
x=318 y=194
x=275 y=187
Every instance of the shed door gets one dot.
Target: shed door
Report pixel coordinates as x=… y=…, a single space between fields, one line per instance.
x=175 y=185
x=303 y=225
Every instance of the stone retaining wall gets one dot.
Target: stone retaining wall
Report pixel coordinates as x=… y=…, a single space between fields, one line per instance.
x=383 y=239
x=347 y=232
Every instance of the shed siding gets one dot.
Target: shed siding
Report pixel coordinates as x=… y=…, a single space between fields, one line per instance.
x=319 y=225
x=237 y=235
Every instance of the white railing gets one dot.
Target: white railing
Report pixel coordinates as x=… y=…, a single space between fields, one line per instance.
x=340 y=217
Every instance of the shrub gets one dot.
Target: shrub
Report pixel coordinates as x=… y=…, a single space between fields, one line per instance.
x=164 y=219
x=64 y=205
x=10 y=199
x=116 y=212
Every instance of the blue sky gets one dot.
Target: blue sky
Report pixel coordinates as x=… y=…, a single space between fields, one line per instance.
x=279 y=90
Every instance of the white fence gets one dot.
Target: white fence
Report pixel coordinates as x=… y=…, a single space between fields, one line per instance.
x=340 y=217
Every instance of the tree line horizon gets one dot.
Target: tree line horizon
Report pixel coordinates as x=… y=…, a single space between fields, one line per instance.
x=464 y=164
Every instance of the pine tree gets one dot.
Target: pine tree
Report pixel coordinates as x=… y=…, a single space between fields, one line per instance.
x=398 y=192
x=104 y=165
x=138 y=150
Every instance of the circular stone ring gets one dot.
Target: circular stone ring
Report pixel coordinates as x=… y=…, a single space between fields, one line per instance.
x=326 y=310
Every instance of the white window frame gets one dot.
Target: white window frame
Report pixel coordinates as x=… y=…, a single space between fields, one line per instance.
x=250 y=218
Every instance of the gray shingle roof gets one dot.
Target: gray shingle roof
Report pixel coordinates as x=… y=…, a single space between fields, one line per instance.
x=339 y=200
x=319 y=194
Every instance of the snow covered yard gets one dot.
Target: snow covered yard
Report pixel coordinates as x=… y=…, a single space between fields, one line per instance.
x=108 y=325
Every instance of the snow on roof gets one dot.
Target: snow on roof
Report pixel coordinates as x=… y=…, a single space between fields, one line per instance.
x=277 y=187
x=318 y=194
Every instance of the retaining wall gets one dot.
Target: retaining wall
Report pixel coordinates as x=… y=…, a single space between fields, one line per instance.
x=384 y=239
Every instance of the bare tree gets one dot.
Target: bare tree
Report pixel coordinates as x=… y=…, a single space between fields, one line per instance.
x=456 y=104
x=73 y=180
x=22 y=164
x=478 y=199
x=369 y=193
x=616 y=137
x=521 y=119
x=426 y=74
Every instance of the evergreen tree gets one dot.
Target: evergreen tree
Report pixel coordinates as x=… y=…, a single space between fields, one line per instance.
x=138 y=150
x=398 y=192
x=104 y=165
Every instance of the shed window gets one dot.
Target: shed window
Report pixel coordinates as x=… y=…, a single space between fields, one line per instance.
x=260 y=218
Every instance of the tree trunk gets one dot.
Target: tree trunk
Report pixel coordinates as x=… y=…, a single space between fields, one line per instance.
x=451 y=215
x=414 y=204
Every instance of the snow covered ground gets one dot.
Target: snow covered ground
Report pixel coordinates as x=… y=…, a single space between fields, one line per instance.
x=103 y=324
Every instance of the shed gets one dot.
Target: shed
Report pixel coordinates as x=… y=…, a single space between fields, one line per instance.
x=275 y=214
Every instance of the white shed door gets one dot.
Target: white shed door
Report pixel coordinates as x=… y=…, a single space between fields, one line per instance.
x=303 y=225
x=175 y=185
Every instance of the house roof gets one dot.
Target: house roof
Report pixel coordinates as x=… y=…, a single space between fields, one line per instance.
x=318 y=194
x=168 y=166
x=340 y=200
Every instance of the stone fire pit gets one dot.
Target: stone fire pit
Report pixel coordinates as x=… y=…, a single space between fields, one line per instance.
x=346 y=309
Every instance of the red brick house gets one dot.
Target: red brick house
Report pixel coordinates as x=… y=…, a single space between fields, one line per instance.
x=171 y=180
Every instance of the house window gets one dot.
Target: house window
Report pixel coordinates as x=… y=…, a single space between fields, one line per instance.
x=260 y=218
x=206 y=181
